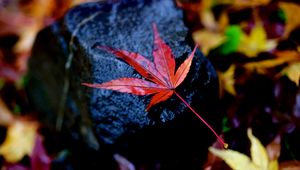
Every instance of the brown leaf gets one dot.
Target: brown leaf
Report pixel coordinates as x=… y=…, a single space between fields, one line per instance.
x=5 y=114
x=289 y=165
x=273 y=148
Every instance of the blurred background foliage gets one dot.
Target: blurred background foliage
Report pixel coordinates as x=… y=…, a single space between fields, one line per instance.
x=253 y=44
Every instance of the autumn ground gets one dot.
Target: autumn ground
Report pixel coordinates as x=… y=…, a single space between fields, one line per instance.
x=253 y=45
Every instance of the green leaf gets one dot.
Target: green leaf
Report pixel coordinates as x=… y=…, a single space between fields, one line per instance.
x=233 y=35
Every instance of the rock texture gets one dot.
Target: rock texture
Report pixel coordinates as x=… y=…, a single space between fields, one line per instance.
x=65 y=56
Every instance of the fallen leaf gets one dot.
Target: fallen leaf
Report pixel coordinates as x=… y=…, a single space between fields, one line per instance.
x=239 y=4
x=20 y=139
x=39 y=160
x=25 y=19
x=250 y=3
x=292 y=12
x=256 y=42
x=258 y=152
x=208 y=40
x=282 y=57
x=227 y=80
x=290 y=165
x=238 y=161
x=213 y=161
x=273 y=148
x=123 y=163
x=161 y=74
x=5 y=114
x=292 y=72
x=233 y=35
x=208 y=20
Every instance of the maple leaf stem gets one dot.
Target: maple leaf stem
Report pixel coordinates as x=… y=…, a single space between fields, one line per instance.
x=225 y=145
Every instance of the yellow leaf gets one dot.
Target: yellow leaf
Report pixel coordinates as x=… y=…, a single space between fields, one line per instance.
x=236 y=160
x=250 y=3
x=292 y=12
x=281 y=58
x=19 y=141
x=293 y=72
x=273 y=165
x=208 y=20
x=256 y=42
x=227 y=80
x=243 y=3
x=208 y=40
x=258 y=152
x=27 y=37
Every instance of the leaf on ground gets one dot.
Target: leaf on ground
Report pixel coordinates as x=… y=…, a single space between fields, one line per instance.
x=292 y=72
x=258 y=152
x=213 y=161
x=282 y=57
x=233 y=35
x=123 y=163
x=256 y=42
x=238 y=161
x=242 y=3
x=250 y=3
x=208 y=20
x=20 y=139
x=290 y=165
x=6 y=117
x=39 y=158
x=227 y=80
x=274 y=148
x=292 y=12
x=25 y=20
x=208 y=40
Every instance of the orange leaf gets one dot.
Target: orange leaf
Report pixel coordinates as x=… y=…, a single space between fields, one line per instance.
x=184 y=68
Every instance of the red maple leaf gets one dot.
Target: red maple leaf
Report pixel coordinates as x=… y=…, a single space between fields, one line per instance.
x=161 y=74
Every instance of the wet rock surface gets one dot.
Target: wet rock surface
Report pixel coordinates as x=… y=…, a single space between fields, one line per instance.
x=64 y=56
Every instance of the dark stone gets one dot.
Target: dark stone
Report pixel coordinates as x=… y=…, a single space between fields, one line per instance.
x=169 y=131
